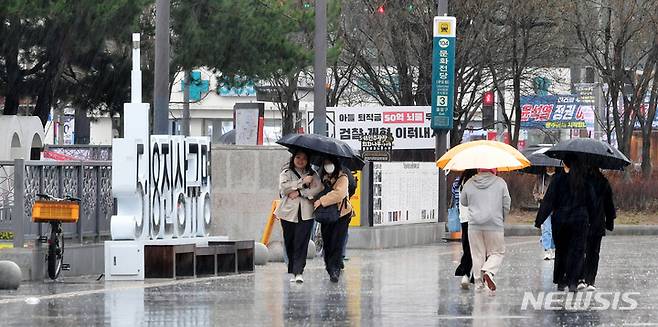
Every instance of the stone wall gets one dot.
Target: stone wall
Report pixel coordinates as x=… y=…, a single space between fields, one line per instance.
x=244 y=182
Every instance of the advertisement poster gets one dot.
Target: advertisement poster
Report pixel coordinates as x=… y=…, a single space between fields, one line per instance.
x=355 y=201
x=409 y=126
x=405 y=193
x=556 y=112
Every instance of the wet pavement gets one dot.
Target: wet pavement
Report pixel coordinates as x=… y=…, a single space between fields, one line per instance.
x=396 y=287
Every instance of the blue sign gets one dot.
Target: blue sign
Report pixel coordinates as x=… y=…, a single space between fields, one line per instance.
x=443 y=72
x=198 y=86
x=240 y=86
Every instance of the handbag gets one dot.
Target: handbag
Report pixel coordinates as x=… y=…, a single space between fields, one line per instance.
x=453 y=220
x=328 y=214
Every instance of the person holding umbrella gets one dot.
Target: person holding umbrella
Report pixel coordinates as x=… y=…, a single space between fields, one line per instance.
x=575 y=203
x=298 y=185
x=487 y=200
x=570 y=201
x=545 y=168
x=602 y=219
x=334 y=233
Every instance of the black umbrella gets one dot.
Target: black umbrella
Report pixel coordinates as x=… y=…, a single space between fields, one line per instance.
x=539 y=161
x=323 y=146
x=595 y=153
x=227 y=138
x=354 y=163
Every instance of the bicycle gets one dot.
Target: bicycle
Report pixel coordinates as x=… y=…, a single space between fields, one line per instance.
x=316 y=236
x=55 y=211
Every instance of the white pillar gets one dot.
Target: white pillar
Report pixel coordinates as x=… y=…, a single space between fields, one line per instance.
x=136 y=73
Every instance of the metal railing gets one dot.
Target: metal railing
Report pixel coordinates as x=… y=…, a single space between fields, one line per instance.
x=84 y=152
x=21 y=181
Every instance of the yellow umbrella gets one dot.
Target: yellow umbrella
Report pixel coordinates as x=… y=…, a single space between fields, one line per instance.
x=441 y=163
x=487 y=157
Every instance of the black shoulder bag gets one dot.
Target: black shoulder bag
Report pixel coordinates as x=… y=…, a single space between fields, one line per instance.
x=327 y=214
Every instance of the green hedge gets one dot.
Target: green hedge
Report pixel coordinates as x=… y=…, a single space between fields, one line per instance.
x=6 y=235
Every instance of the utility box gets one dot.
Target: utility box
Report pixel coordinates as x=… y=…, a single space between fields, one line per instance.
x=124 y=260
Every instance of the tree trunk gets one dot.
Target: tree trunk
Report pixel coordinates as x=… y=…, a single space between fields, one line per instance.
x=614 y=97
x=516 y=110
x=457 y=133
x=50 y=79
x=44 y=101
x=13 y=86
x=646 y=154
x=647 y=129
x=424 y=84
x=290 y=105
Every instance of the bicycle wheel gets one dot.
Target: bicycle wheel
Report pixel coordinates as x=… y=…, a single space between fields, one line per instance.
x=55 y=251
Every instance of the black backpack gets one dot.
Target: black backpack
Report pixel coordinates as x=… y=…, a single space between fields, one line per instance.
x=351 y=186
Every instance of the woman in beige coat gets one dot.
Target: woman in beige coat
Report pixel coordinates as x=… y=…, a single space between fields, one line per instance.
x=333 y=234
x=298 y=185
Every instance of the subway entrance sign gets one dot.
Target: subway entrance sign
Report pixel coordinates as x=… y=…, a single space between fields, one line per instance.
x=443 y=72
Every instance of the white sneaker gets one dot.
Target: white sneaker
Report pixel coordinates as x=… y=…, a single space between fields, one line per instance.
x=591 y=288
x=552 y=254
x=547 y=254
x=465 y=281
x=299 y=279
x=581 y=286
x=293 y=278
x=489 y=281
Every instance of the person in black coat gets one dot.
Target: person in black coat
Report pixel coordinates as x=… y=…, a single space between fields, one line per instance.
x=602 y=219
x=570 y=201
x=466 y=262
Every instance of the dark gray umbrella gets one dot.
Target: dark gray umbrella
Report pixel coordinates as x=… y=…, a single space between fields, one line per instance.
x=323 y=146
x=227 y=138
x=593 y=152
x=354 y=163
x=539 y=161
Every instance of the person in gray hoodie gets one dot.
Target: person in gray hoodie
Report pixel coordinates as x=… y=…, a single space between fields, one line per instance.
x=487 y=198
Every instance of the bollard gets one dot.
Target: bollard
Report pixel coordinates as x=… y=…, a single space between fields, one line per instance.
x=10 y=275
x=261 y=254
x=275 y=250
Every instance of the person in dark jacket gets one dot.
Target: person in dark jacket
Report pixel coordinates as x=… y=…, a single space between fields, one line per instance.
x=570 y=201
x=602 y=219
x=538 y=191
x=333 y=234
x=466 y=262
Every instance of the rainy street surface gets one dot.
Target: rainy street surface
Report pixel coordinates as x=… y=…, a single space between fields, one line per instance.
x=396 y=287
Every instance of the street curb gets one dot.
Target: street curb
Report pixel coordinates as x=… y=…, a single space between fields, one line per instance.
x=620 y=230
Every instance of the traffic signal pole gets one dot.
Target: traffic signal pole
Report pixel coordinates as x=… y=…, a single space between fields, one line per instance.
x=320 y=69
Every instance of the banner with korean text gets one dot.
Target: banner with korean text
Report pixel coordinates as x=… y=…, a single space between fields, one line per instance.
x=409 y=126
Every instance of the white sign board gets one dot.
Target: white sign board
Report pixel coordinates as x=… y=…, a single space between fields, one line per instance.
x=409 y=126
x=405 y=193
x=331 y=126
x=246 y=126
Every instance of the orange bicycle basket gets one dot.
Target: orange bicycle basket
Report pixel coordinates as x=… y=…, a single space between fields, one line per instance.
x=44 y=211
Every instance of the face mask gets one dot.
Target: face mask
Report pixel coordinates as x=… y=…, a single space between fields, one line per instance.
x=329 y=168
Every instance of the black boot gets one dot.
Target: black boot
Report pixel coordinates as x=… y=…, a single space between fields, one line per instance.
x=333 y=276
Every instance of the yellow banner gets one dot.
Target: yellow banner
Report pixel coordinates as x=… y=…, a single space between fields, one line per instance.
x=355 y=201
